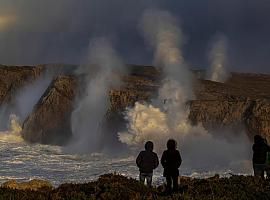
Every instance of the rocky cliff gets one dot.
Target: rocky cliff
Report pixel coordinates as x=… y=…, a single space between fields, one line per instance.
x=243 y=102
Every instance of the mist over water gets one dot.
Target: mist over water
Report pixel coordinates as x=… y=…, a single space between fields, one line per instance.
x=90 y=109
x=24 y=99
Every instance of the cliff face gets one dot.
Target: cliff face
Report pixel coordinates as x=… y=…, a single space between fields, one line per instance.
x=243 y=102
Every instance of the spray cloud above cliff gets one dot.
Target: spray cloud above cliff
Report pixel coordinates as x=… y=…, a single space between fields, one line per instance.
x=218 y=68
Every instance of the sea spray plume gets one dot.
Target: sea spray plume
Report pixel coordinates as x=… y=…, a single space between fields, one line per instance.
x=13 y=133
x=169 y=114
x=91 y=108
x=218 y=60
x=162 y=32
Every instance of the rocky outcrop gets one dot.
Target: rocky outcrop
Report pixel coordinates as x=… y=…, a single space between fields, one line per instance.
x=49 y=123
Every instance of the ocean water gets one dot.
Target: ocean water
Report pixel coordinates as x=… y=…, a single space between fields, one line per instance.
x=23 y=162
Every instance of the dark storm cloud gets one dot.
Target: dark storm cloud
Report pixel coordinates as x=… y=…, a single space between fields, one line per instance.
x=39 y=31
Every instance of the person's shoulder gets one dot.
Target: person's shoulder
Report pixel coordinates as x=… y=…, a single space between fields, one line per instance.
x=142 y=152
x=165 y=151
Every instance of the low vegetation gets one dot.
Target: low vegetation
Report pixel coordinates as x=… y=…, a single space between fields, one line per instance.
x=119 y=187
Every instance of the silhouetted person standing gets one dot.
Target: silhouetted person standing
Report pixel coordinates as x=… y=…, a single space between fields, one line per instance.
x=171 y=161
x=260 y=149
x=147 y=161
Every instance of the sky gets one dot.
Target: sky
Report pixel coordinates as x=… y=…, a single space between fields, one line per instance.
x=59 y=31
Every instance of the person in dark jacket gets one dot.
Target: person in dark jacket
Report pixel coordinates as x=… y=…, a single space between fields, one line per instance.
x=260 y=149
x=147 y=161
x=171 y=161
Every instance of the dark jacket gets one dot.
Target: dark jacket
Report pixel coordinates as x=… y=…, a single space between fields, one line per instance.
x=260 y=149
x=171 y=161
x=147 y=161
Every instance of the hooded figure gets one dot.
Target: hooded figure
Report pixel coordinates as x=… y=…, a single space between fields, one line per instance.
x=171 y=161
x=260 y=149
x=147 y=161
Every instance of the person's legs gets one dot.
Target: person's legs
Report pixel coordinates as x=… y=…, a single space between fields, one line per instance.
x=149 y=179
x=169 y=184
x=175 y=183
x=142 y=178
x=258 y=170
x=267 y=169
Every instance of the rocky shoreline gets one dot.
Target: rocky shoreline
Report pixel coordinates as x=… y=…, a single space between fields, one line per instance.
x=112 y=186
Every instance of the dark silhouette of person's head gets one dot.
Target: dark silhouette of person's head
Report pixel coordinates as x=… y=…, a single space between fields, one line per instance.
x=258 y=139
x=171 y=144
x=149 y=146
